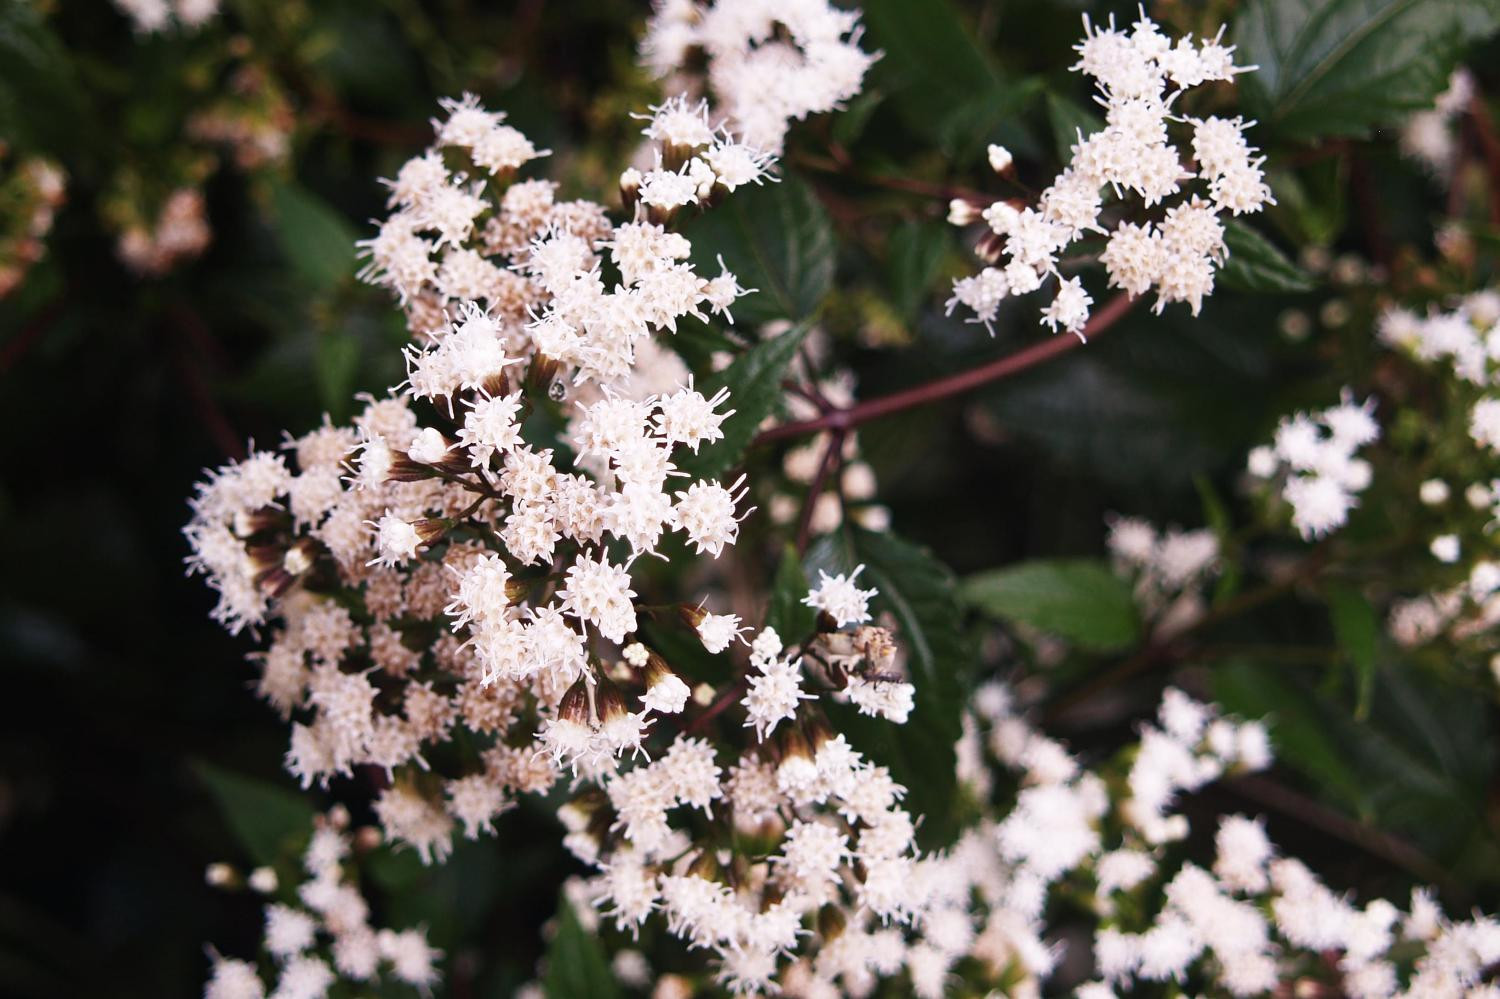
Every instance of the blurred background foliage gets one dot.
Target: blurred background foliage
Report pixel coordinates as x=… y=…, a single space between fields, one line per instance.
x=133 y=754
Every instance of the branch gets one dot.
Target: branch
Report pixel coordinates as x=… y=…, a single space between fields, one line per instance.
x=1489 y=144
x=951 y=385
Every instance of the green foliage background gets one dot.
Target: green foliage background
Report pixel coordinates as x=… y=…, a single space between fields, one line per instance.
x=133 y=754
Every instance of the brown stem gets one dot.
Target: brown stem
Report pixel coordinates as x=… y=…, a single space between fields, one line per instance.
x=815 y=489
x=1270 y=794
x=731 y=696
x=951 y=385
x=1489 y=143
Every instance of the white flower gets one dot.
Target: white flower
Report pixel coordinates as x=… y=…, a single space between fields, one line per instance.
x=840 y=598
x=717 y=631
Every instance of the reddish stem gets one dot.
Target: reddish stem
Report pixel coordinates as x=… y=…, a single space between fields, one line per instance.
x=1484 y=130
x=825 y=467
x=951 y=385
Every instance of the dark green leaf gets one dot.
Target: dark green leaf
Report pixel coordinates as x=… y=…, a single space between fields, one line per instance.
x=913 y=258
x=576 y=965
x=317 y=241
x=1069 y=118
x=337 y=364
x=1357 y=628
x=792 y=619
x=919 y=592
x=934 y=71
x=754 y=383
x=1418 y=767
x=1080 y=600
x=1341 y=67
x=1255 y=264
x=42 y=106
x=776 y=239
x=268 y=820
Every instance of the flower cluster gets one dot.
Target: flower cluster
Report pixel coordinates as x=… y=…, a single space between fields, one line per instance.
x=321 y=932
x=465 y=230
x=1251 y=918
x=32 y=188
x=1168 y=568
x=1315 y=453
x=437 y=571
x=770 y=62
x=1429 y=137
x=1462 y=493
x=151 y=16
x=1140 y=74
x=179 y=232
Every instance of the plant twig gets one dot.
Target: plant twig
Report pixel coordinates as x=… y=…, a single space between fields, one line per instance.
x=1489 y=144
x=850 y=417
x=815 y=489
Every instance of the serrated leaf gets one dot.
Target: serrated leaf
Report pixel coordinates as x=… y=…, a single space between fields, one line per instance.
x=754 y=383
x=1297 y=724
x=1078 y=600
x=1255 y=264
x=1342 y=67
x=774 y=238
x=792 y=619
x=1419 y=766
x=919 y=592
x=316 y=240
x=576 y=964
x=269 y=821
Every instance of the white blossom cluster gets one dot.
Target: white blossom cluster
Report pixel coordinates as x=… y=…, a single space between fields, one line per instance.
x=1314 y=453
x=1430 y=137
x=769 y=62
x=834 y=835
x=1462 y=345
x=559 y=278
x=322 y=932
x=36 y=188
x=151 y=16
x=1140 y=75
x=429 y=572
x=179 y=232
x=1168 y=568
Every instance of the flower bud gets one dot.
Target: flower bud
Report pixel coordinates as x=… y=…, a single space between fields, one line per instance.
x=630 y=188
x=666 y=693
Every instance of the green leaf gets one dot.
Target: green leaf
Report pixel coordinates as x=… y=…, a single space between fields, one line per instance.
x=1356 y=626
x=337 y=365
x=913 y=258
x=792 y=619
x=936 y=74
x=1079 y=600
x=1341 y=67
x=1420 y=766
x=1298 y=726
x=1255 y=264
x=919 y=592
x=776 y=239
x=754 y=383
x=42 y=104
x=576 y=965
x=1068 y=118
x=316 y=240
x=269 y=821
